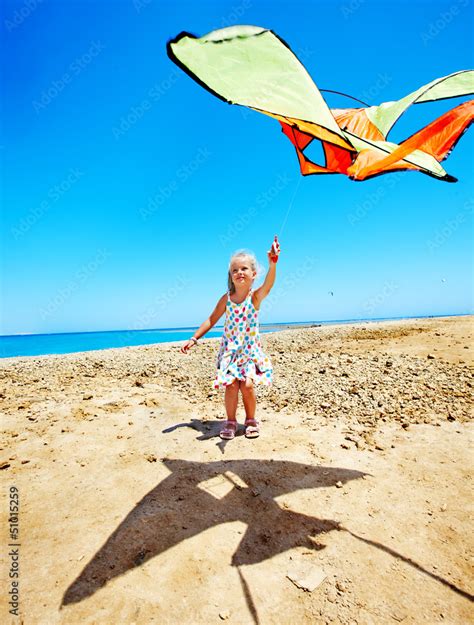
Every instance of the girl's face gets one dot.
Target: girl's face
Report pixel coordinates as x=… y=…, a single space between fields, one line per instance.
x=241 y=272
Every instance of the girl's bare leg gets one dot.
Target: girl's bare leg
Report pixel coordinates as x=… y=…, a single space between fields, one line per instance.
x=252 y=429
x=231 y=400
x=249 y=399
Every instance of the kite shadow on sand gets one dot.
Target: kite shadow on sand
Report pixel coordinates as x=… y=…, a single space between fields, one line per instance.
x=182 y=506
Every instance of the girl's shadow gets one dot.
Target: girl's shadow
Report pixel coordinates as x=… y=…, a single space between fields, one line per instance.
x=207 y=429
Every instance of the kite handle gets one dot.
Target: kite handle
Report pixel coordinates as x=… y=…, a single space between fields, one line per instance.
x=275 y=250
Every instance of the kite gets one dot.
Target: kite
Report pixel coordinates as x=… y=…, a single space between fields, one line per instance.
x=252 y=67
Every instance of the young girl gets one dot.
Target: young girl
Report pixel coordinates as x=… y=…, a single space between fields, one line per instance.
x=241 y=362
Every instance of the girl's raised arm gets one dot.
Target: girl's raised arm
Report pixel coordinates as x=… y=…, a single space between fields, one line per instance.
x=210 y=322
x=262 y=292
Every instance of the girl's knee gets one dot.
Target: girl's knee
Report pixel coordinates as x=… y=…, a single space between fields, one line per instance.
x=246 y=386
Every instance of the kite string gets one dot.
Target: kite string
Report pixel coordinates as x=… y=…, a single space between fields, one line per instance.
x=290 y=206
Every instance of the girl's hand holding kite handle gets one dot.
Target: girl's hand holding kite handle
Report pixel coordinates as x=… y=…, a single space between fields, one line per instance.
x=274 y=251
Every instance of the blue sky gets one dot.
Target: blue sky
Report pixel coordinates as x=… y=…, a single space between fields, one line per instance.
x=126 y=186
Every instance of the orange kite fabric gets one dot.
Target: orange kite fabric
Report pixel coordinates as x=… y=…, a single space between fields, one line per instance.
x=436 y=139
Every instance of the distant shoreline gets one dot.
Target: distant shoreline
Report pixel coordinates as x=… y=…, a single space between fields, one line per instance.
x=275 y=324
x=267 y=330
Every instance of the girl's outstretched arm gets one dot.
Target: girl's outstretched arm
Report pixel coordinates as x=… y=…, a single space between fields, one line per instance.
x=210 y=322
x=262 y=292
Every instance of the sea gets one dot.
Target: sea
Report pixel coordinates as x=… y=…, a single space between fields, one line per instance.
x=70 y=342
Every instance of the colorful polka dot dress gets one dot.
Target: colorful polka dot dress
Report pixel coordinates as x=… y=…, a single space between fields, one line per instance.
x=240 y=354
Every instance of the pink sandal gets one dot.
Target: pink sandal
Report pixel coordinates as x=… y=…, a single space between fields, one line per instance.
x=228 y=431
x=252 y=429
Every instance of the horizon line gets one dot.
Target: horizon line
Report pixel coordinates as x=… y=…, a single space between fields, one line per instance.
x=276 y=323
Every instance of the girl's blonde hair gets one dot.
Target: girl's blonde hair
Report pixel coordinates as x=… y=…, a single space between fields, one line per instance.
x=241 y=254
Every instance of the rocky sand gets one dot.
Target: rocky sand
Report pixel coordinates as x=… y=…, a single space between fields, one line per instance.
x=353 y=507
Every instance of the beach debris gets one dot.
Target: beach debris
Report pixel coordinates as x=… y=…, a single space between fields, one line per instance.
x=341 y=586
x=140 y=557
x=398 y=617
x=87 y=396
x=224 y=615
x=431 y=356
x=339 y=484
x=4 y=465
x=78 y=413
x=151 y=402
x=331 y=594
x=307 y=579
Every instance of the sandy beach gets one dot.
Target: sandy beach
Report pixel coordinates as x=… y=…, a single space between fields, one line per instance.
x=354 y=506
